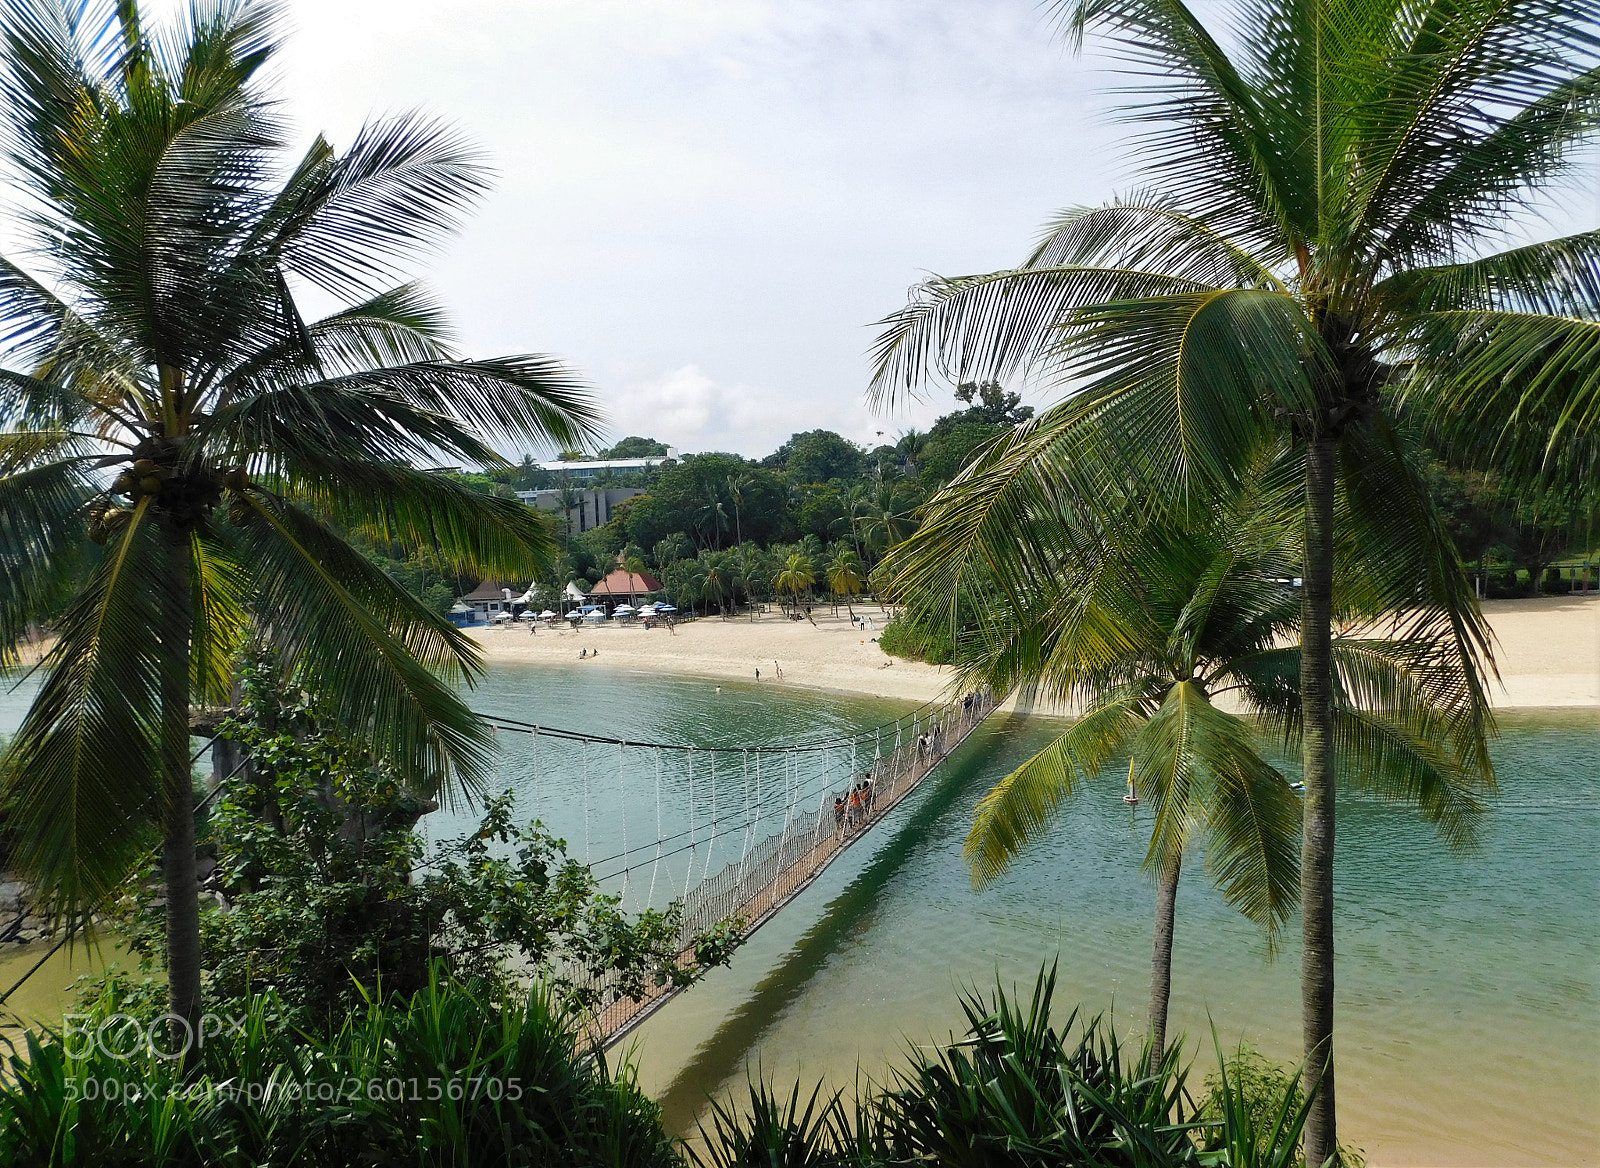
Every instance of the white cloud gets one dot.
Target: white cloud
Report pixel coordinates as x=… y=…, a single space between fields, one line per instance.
x=704 y=414
x=739 y=187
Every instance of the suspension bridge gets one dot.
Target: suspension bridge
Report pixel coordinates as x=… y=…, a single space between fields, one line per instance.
x=733 y=834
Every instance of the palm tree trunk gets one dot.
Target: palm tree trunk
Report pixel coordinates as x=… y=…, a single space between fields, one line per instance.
x=1316 y=854
x=177 y=824
x=1161 y=962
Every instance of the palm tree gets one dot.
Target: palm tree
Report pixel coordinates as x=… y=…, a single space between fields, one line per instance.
x=634 y=566
x=886 y=520
x=846 y=577
x=715 y=586
x=712 y=517
x=798 y=575
x=856 y=498
x=908 y=450
x=1304 y=257
x=1143 y=626
x=738 y=490
x=163 y=393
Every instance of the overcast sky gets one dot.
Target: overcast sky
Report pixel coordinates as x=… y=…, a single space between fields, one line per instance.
x=703 y=205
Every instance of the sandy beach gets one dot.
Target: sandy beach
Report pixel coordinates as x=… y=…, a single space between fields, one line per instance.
x=1547 y=651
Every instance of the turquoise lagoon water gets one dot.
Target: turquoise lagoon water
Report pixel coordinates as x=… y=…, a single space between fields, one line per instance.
x=1468 y=990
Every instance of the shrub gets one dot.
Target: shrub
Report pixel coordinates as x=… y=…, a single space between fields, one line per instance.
x=1264 y=1099
x=901 y=637
x=451 y=1076
x=1016 y=1089
x=325 y=895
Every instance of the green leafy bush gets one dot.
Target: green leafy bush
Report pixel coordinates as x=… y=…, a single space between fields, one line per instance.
x=322 y=893
x=916 y=641
x=1264 y=1098
x=453 y=1075
x=1018 y=1090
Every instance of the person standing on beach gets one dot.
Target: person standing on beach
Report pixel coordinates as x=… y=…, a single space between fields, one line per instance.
x=758 y=673
x=779 y=668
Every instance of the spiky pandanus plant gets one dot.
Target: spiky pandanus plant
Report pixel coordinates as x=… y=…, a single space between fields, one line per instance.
x=1312 y=255
x=1144 y=626
x=163 y=394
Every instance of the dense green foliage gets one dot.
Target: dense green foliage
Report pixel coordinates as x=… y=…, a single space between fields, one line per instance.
x=452 y=1076
x=465 y=1074
x=1016 y=1089
x=165 y=394
x=1315 y=257
x=328 y=896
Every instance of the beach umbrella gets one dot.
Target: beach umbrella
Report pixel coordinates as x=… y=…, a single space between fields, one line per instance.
x=547 y=615
x=501 y=616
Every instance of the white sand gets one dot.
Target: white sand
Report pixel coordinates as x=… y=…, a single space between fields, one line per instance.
x=1547 y=650
x=829 y=654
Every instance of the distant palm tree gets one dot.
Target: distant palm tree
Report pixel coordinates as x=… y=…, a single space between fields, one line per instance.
x=712 y=517
x=738 y=491
x=1311 y=252
x=634 y=567
x=909 y=450
x=716 y=587
x=886 y=518
x=856 y=497
x=798 y=575
x=570 y=501
x=171 y=399
x=846 y=576
x=1143 y=627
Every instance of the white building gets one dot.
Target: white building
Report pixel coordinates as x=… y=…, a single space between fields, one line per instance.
x=588 y=469
x=591 y=507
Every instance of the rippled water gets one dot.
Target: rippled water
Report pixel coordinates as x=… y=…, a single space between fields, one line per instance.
x=1468 y=984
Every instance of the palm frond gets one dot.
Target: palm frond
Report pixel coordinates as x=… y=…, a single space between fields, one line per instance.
x=81 y=776
x=346 y=221
x=1192 y=380
x=1253 y=842
x=1149 y=231
x=1406 y=726
x=1394 y=558
x=366 y=644
x=42 y=556
x=495 y=537
x=457 y=404
x=343 y=419
x=1021 y=806
x=1206 y=138
x=221 y=594
x=1520 y=387
x=1202 y=768
x=994 y=326
x=1556 y=277
x=1470 y=104
x=1406 y=756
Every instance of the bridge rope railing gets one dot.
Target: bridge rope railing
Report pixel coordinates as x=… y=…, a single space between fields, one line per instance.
x=769 y=872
